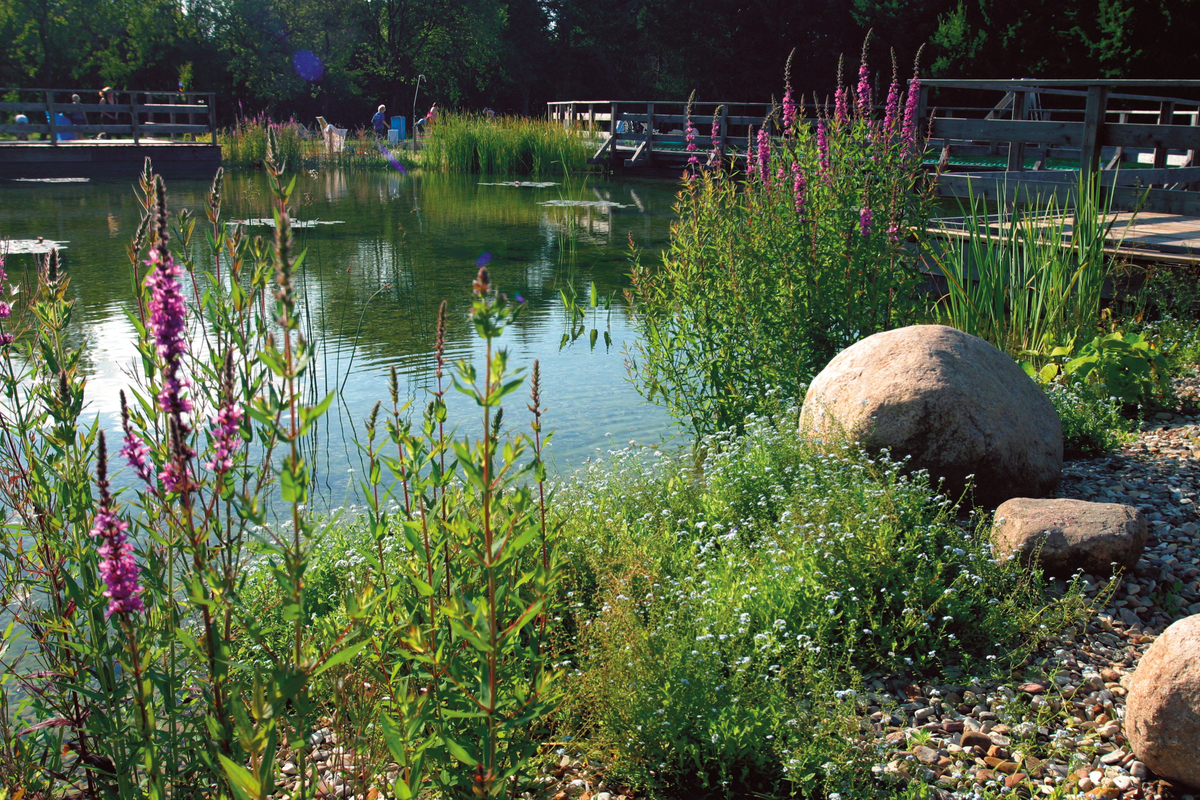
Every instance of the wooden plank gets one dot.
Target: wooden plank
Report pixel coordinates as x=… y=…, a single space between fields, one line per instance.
x=598 y=157
x=1175 y=137
x=1052 y=133
x=995 y=187
x=639 y=155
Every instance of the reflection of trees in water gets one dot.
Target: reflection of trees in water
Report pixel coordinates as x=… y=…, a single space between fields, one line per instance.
x=374 y=282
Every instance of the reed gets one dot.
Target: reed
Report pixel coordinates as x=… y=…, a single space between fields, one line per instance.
x=504 y=145
x=244 y=146
x=1029 y=279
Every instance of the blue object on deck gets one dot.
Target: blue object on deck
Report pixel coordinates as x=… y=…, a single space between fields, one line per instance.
x=63 y=121
x=399 y=124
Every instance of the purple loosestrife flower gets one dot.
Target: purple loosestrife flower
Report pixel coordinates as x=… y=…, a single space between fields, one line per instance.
x=226 y=425
x=764 y=155
x=690 y=137
x=798 y=188
x=168 y=325
x=5 y=310
x=864 y=220
x=789 y=111
x=840 y=113
x=118 y=569
x=864 y=86
x=823 y=150
x=892 y=108
x=134 y=450
x=715 y=138
x=909 y=131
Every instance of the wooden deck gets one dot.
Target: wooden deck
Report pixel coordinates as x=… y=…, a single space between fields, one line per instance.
x=1148 y=236
x=63 y=139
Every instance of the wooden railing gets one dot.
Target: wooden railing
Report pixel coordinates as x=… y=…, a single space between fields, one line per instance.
x=640 y=124
x=1104 y=126
x=136 y=115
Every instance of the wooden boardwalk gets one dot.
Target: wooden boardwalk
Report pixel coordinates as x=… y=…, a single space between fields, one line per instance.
x=110 y=139
x=1147 y=236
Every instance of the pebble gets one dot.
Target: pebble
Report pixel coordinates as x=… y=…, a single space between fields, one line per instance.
x=1083 y=676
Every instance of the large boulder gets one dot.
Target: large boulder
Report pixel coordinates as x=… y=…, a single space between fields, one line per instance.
x=1162 y=712
x=951 y=401
x=1068 y=535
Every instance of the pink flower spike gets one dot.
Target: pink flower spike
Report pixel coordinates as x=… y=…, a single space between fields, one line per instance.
x=118 y=568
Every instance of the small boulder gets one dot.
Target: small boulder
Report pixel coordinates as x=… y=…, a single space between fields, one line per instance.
x=951 y=401
x=1072 y=534
x=1162 y=712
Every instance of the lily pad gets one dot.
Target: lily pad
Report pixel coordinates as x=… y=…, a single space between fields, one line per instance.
x=35 y=246
x=269 y=222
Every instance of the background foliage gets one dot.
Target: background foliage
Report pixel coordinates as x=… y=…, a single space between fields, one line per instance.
x=514 y=55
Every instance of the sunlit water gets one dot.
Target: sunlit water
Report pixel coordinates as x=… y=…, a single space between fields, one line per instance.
x=384 y=249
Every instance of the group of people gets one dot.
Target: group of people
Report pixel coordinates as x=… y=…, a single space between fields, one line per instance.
x=379 y=121
x=76 y=116
x=380 y=124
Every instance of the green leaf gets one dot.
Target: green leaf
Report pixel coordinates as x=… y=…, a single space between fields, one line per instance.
x=341 y=657
x=458 y=752
x=245 y=785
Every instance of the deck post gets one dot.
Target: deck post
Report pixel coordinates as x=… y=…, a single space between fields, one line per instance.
x=591 y=118
x=50 y=119
x=212 y=118
x=1016 y=150
x=1093 y=133
x=1166 y=113
x=133 y=117
x=649 y=128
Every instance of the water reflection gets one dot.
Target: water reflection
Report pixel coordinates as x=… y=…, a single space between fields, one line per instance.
x=371 y=285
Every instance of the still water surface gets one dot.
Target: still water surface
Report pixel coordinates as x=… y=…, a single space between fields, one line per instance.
x=384 y=250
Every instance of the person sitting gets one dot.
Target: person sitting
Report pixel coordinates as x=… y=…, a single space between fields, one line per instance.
x=379 y=121
x=21 y=119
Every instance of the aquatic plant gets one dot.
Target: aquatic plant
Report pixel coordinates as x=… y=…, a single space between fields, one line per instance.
x=503 y=146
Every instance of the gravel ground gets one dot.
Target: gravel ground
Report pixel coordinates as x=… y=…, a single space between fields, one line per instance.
x=1060 y=727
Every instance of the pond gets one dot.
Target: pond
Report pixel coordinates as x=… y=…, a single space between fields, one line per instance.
x=384 y=249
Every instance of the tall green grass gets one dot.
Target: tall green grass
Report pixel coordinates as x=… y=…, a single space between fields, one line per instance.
x=244 y=146
x=1031 y=278
x=504 y=145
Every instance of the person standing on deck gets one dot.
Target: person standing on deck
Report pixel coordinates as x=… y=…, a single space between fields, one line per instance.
x=77 y=116
x=431 y=117
x=380 y=122
x=106 y=117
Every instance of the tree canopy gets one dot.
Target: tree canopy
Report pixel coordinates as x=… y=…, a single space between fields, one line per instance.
x=341 y=58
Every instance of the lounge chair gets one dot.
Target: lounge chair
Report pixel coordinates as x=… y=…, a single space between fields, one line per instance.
x=335 y=138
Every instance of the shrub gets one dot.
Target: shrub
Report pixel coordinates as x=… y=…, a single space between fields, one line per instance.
x=727 y=616
x=766 y=279
x=1092 y=423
